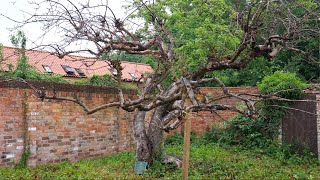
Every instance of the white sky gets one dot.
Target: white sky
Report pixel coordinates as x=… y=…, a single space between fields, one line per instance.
x=14 y=9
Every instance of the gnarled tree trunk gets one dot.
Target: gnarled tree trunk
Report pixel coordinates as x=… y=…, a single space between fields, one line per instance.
x=149 y=144
x=142 y=142
x=155 y=133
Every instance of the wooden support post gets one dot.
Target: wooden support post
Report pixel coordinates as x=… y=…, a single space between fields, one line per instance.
x=186 y=148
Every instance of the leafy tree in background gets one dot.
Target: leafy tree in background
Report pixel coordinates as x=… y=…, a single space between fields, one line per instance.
x=248 y=76
x=23 y=69
x=205 y=30
x=190 y=40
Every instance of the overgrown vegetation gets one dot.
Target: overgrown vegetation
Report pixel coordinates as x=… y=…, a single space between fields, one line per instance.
x=283 y=84
x=263 y=131
x=211 y=159
x=96 y=80
x=191 y=39
x=261 y=67
x=23 y=163
x=208 y=160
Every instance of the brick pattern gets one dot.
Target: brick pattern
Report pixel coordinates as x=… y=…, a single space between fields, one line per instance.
x=11 y=142
x=61 y=131
x=203 y=121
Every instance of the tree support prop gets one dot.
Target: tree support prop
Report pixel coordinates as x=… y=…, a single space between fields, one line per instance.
x=186 y=148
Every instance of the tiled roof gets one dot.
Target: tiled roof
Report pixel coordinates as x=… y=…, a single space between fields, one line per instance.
x=88 y=65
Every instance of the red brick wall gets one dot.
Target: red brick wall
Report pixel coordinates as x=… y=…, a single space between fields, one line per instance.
x=60 y=130
x=203 y=121
x=11 y=113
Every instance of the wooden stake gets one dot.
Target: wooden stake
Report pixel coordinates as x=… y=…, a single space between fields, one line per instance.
x=186 y=148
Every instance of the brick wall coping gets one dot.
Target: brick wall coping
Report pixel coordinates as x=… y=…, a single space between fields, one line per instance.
x=312 y=89
x=111 y=90
x=49 y=86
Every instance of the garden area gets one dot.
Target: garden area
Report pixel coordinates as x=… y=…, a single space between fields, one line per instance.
x=189 y=46
x=209 y=159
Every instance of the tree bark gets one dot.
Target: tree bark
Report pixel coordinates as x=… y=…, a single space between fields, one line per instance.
x=155 y=133
x=149 y=144
x=143 y=152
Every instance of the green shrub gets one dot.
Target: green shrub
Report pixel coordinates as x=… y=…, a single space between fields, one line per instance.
x=105 y=80
x=96 y=80
x=243 y=130
x=262 y=131
x=283 y=84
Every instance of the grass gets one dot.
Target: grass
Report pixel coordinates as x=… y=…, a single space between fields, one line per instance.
x=231 y=162
x=110 y=167
x=207 y=161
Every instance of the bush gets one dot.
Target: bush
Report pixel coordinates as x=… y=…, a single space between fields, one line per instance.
x=97 y=80
x=264 y=130
x=243 y=130
x=105 y=80
x=283 y=84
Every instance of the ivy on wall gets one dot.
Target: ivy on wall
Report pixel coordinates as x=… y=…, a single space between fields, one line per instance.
x=23 y=163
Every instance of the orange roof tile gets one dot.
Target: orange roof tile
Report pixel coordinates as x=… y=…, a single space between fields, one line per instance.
x=88 y=65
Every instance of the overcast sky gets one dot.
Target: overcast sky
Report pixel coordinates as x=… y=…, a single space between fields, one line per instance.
x=15 y=10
